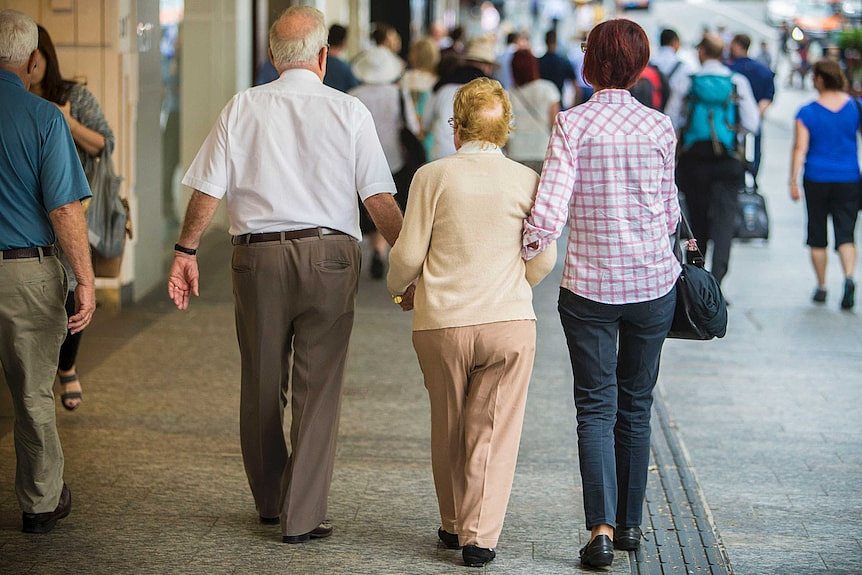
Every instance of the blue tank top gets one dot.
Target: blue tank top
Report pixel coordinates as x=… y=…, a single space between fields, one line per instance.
x=832 y=150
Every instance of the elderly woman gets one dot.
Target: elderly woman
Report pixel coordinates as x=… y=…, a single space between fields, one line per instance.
x=610 y=169
x=825 y=142
x=474 y=328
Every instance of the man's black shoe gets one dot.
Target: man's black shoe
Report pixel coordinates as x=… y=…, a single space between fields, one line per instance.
x=627 y=538
x=450 y=540
x=269 y=520
x=45 y=522
x=377 y=268
x=322 y=531
x=598 y=553
x=477 y=556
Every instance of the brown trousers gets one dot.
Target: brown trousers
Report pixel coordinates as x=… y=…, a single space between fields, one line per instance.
x=32 y=327
x=477 y=378
x=294 y=313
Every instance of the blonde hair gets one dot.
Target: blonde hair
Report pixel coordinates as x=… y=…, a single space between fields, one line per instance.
x=303 y=41
x=424 y=55
x=483 y=112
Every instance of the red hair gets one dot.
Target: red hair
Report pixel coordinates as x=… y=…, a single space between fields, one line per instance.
x=617 y=53
x=525 y=67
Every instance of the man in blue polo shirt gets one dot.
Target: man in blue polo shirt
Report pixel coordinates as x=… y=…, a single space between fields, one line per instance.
x=762 y=82
x=41 y=188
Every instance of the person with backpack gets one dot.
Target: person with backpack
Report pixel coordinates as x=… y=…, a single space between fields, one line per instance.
x=718 y=109
x=673 y=69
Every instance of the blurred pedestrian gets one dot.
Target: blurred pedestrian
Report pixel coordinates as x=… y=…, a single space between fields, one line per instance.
x=391 y=107
x=535 y=105
x=475 y=341
x=675 y=71
x=455 y=43
x=711 y=172
x=765 y=56
x=478 y=61
x=420 y=78
x=338 y=72
x=41 y=188
x=556 y=68
x=583 y=90
x=762 y=82
x=291 y=158
x=616 y=191
x=503 y=73
x=92 y=136
x=825 y=142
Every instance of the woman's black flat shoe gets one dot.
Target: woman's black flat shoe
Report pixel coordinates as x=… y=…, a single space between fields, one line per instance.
x=627 y=538
x=598 y=553
x=477 y=556
x=450 y=540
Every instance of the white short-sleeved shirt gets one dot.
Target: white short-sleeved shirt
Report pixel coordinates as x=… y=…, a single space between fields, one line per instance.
x=290 y=155
x=531 y=104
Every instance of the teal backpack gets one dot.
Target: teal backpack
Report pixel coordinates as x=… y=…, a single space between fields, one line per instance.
x=712 y=114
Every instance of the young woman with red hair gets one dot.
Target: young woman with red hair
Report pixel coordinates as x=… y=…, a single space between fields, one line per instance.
x=609 y=172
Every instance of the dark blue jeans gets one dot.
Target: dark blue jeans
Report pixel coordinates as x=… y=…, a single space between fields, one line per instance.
x=615 y=351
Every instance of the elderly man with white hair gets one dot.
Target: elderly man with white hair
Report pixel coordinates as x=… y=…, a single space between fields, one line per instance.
x=41 y=188
x=291 y=157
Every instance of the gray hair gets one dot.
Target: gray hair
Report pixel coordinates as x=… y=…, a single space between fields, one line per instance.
x=18 y=37
x=305 y=43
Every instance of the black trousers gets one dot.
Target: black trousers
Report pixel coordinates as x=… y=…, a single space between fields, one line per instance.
x=711 y=186
x=615 y=351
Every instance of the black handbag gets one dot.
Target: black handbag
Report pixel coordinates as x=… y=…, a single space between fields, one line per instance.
x=414 y=157
x=701 y=311
x=752 y=219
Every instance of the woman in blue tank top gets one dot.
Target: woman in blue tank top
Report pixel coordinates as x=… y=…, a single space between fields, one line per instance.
x=825 y=141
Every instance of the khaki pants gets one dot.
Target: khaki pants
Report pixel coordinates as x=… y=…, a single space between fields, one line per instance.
x=32 y=327
x=294 y=314
x=477 y=378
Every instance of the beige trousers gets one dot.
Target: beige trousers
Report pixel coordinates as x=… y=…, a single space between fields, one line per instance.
x=294 y=314
x=477 y=378
x=32 y=328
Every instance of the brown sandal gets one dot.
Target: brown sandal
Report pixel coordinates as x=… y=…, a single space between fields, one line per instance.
x=68 y=395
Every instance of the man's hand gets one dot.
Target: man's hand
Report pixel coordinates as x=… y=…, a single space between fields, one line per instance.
x=85 y=306
x=407 y=297
x=183 y=280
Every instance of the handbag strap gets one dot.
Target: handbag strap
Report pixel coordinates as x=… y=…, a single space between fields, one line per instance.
x=677 y=251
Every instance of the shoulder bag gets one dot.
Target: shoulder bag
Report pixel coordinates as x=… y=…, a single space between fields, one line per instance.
x=701 y=311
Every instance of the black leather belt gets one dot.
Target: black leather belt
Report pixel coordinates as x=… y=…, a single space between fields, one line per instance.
x=283 y=236
x=21 y=253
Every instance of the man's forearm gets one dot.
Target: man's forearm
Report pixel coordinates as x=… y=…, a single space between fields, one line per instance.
x=70 y=227
x=386 y=216
x=199 y=214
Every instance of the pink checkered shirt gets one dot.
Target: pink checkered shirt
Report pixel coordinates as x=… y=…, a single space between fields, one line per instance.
x=609 y=170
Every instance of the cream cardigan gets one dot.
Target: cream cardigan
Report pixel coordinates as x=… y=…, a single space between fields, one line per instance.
x=462 y=239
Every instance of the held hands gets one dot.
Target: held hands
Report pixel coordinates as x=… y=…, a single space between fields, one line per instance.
x=405 y=300
x=85 y=306
x=183 y=280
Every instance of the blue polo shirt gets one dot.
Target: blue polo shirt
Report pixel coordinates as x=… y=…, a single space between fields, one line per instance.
x=39 y=166
x=761 y=78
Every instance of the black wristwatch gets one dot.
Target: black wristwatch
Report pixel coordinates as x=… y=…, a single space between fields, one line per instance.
x=184 y=250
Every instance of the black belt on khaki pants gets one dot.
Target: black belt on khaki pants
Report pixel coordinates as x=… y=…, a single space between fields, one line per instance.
x=21 y=253
x=284 y=236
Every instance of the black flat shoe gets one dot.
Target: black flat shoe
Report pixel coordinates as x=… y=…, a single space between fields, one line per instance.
x=450 y=540
x=269 y=520
x=598 y=553
x=627 y=538
x=45 y=522
x=849 y=299
x=322 y=531
x=477 y=556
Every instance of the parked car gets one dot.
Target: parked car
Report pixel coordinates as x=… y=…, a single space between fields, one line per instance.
x=780 y=11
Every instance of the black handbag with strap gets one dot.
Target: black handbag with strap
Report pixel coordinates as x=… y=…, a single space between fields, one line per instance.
x=701 y=311
x=752 y=219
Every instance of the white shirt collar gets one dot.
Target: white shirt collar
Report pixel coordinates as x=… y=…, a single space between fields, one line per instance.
x=300 y=75
x=476 y=147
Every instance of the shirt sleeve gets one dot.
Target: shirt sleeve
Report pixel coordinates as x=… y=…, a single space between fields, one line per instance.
x=551 y=208
x=372 y=170
x=60 y=173
x=410 y=250
x=749 y=113
x=669 y=193
x=209 y=170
